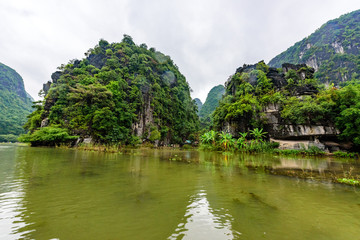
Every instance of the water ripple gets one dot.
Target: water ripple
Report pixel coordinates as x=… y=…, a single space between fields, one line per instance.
x=11 y=210
x=203 y=222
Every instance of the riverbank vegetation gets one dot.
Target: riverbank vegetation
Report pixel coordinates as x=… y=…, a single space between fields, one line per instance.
x=222 y=141
x=253 y=141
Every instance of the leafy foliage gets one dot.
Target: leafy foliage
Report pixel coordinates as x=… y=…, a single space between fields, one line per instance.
x=116 y=88
x=47 y=136
x=348 y=112
x=247 y=93
x=8 y=138
x=209 y=137
x=349 y=181
x=258 y=134
x=226 y=142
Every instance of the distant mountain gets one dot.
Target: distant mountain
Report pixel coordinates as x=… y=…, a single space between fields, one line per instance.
x=333 y=50
x=15 y=104
x=210 y=104
x=198 y=104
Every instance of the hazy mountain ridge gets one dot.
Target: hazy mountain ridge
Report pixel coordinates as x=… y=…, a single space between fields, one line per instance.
x=15 y=103
x=212 y=101
x=332 y=50
x=199 y=104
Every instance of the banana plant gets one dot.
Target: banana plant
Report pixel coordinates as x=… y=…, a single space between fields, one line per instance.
x=241 y=140
x=258 y=134
x=209 y=137
x=226 y=140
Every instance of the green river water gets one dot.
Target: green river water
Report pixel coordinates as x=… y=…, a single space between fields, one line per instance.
x=49 y=193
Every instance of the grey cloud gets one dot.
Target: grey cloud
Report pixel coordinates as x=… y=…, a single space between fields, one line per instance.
x=208 y=40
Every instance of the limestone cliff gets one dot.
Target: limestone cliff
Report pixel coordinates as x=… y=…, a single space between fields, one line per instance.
x=264 y=97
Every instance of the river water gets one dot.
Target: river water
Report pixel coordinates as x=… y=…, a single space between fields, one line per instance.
x=48 y=193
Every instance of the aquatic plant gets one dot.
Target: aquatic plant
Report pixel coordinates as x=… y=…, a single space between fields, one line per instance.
x=349 y=181
x=342 y=154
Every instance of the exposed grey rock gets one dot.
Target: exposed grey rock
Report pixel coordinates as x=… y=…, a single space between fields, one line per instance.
x=44 y=122
x=46 y=87
x=312 y=62
x=88 y=140
x=285 y=131
x=145 y=119
x=298 y=144
x=55 y=76
x=278 y=79
x=338 y=47
x=97 y=60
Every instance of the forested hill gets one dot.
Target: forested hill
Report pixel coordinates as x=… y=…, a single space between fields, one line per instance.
x=212 y=101
x=119 y=93
x=210 y=104
x=333 y=50
x=15 y=104
x=198 y=103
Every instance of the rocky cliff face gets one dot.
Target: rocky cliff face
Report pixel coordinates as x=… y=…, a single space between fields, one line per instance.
x=279 y=129
x=333 y=50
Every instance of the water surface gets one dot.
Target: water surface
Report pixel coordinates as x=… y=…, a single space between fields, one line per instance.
x=48 y=193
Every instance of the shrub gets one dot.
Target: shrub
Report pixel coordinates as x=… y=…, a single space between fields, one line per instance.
x=8 y=138
x=342 y=154
x=48 y=136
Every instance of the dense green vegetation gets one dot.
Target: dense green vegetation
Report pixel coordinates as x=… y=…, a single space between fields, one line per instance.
x=250 y=90
x=48 y=136
x=333 y=50
x=301 y=101
x=252 y=141
x=119 y=93
x=15 y=104
x=209 y=106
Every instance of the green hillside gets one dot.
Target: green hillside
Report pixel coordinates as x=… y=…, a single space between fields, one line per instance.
x=210 y=104
x=15 y=104
x=333 y=50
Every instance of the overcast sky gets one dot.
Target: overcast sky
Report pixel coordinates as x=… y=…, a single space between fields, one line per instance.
x=207 y=40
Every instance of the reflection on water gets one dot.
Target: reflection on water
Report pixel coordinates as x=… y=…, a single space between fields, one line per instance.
x=202 y=222
x=11 y=217
x=50 y=193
